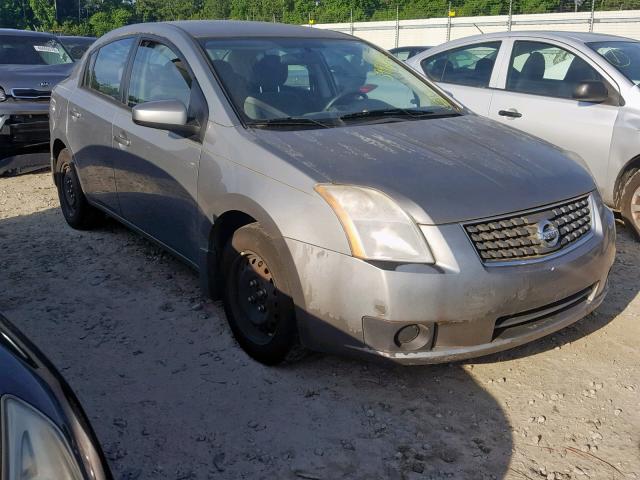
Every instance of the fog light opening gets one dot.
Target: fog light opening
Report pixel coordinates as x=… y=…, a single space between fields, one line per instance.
x=413 y=337
x=407 y=334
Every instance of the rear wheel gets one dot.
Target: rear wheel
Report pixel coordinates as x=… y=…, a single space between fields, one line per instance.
x=630 y=202
x=73 y=203
x=259 y=309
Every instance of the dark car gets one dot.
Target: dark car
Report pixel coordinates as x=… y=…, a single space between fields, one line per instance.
x=76 y=46
x=404 y=53
x=31 y=64
x=44 y=431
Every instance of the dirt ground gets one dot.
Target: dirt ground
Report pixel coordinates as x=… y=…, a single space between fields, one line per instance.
x=171 y=395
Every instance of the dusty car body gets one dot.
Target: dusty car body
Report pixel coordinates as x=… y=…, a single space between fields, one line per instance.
x=31 y=64
x=395 y=225
x=44 y=431
x=576 y=90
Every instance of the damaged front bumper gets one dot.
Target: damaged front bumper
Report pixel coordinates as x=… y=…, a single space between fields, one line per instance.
x=456 y=309
x=24 y=136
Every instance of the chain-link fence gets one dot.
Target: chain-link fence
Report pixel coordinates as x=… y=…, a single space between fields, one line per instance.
x=441 y=21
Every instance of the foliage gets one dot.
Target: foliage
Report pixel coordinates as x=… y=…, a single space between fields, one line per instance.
x=96 y=17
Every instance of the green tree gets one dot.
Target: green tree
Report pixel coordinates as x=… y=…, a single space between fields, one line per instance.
x=44 y=14
x=15 y=14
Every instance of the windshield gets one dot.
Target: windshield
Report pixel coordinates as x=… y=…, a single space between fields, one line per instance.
x=624 y=56
x=321 y=81
x=31 y=50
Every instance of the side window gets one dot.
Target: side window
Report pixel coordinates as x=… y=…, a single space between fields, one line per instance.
x=545 y=69
x=298 y=76
x=158 y=74
x=88 y=71
x=107 y=69
x=471 y=65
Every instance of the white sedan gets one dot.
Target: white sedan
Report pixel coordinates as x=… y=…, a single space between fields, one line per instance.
x=578 y=91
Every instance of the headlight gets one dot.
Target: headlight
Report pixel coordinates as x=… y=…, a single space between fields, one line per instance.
x=3 y=95
x=376 y=227
x=33 y=447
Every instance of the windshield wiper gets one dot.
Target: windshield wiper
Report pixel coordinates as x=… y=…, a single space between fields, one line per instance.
x=398 y=112
x=289 y=122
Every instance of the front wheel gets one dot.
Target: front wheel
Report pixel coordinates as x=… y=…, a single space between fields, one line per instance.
x=630 y=202
x=75 y=208
x=258 y=306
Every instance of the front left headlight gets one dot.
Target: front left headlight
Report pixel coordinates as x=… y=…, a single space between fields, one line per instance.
x=376 y=227
x=33 y=446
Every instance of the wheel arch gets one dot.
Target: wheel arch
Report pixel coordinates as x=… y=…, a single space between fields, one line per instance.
x=235 y=212
x=625 y=172
x=56 y=147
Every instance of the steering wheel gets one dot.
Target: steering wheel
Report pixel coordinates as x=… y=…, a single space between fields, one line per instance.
x=341 y=97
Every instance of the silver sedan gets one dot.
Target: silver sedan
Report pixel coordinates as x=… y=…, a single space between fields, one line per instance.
x=331 y=196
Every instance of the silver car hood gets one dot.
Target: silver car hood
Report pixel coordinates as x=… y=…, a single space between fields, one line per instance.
x=31 y=76
x=453 y=169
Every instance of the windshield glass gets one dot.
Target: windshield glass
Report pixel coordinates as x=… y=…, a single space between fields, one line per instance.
x=625 y=56
x=320 y=81
x=31 y=50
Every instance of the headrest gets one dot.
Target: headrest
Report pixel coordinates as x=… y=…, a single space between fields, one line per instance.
x=533 y=68
x=269 y=73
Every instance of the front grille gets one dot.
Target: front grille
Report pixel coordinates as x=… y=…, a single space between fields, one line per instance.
x=532 y=234
x=30 y=94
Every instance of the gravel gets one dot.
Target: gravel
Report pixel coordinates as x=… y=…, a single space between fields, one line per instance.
x=171 y=395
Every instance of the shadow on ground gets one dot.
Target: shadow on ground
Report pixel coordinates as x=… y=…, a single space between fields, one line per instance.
x=172 y=396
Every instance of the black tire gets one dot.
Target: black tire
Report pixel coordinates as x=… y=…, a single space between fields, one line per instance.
x=630 y=202
x=73 y=203
x=255 y=278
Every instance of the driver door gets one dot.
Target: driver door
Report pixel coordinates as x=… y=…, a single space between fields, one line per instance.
x=157 y=170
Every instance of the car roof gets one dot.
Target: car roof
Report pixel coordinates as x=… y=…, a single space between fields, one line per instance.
x=581 y=37
x=24 y=33
x=76 y=37
x=232 y=29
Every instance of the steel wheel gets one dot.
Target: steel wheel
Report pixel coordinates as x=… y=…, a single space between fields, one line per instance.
x=69 y=193
x=256 y=298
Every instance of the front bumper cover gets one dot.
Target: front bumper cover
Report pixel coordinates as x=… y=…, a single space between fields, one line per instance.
x=24 y=136
x=344 y=303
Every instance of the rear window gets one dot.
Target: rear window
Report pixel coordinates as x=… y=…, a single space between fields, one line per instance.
x=32 y=50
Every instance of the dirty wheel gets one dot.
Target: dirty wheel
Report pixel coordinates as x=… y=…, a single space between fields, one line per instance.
x=630 y=205
x=75 y=208
x=258 y=306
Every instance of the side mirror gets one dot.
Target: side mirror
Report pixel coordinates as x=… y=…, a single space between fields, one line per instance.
x=164 y=115
x=591 y=91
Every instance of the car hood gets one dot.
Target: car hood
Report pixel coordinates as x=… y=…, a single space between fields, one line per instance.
x=440 y=170
x=31 y=76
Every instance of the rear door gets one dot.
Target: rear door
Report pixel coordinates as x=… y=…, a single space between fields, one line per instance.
x=91 y=110
x=157 y=170
x=466 y=73
x=537 y=97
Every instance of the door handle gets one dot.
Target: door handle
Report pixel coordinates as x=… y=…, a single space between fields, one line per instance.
x=511 y=113
x=122 y=140
x=75 y=115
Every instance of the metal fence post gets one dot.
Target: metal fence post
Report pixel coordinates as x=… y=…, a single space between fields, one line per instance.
x=592 y=17
x=397 y=25
x=510 y=19
x=351 y=22
x=449 y=23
